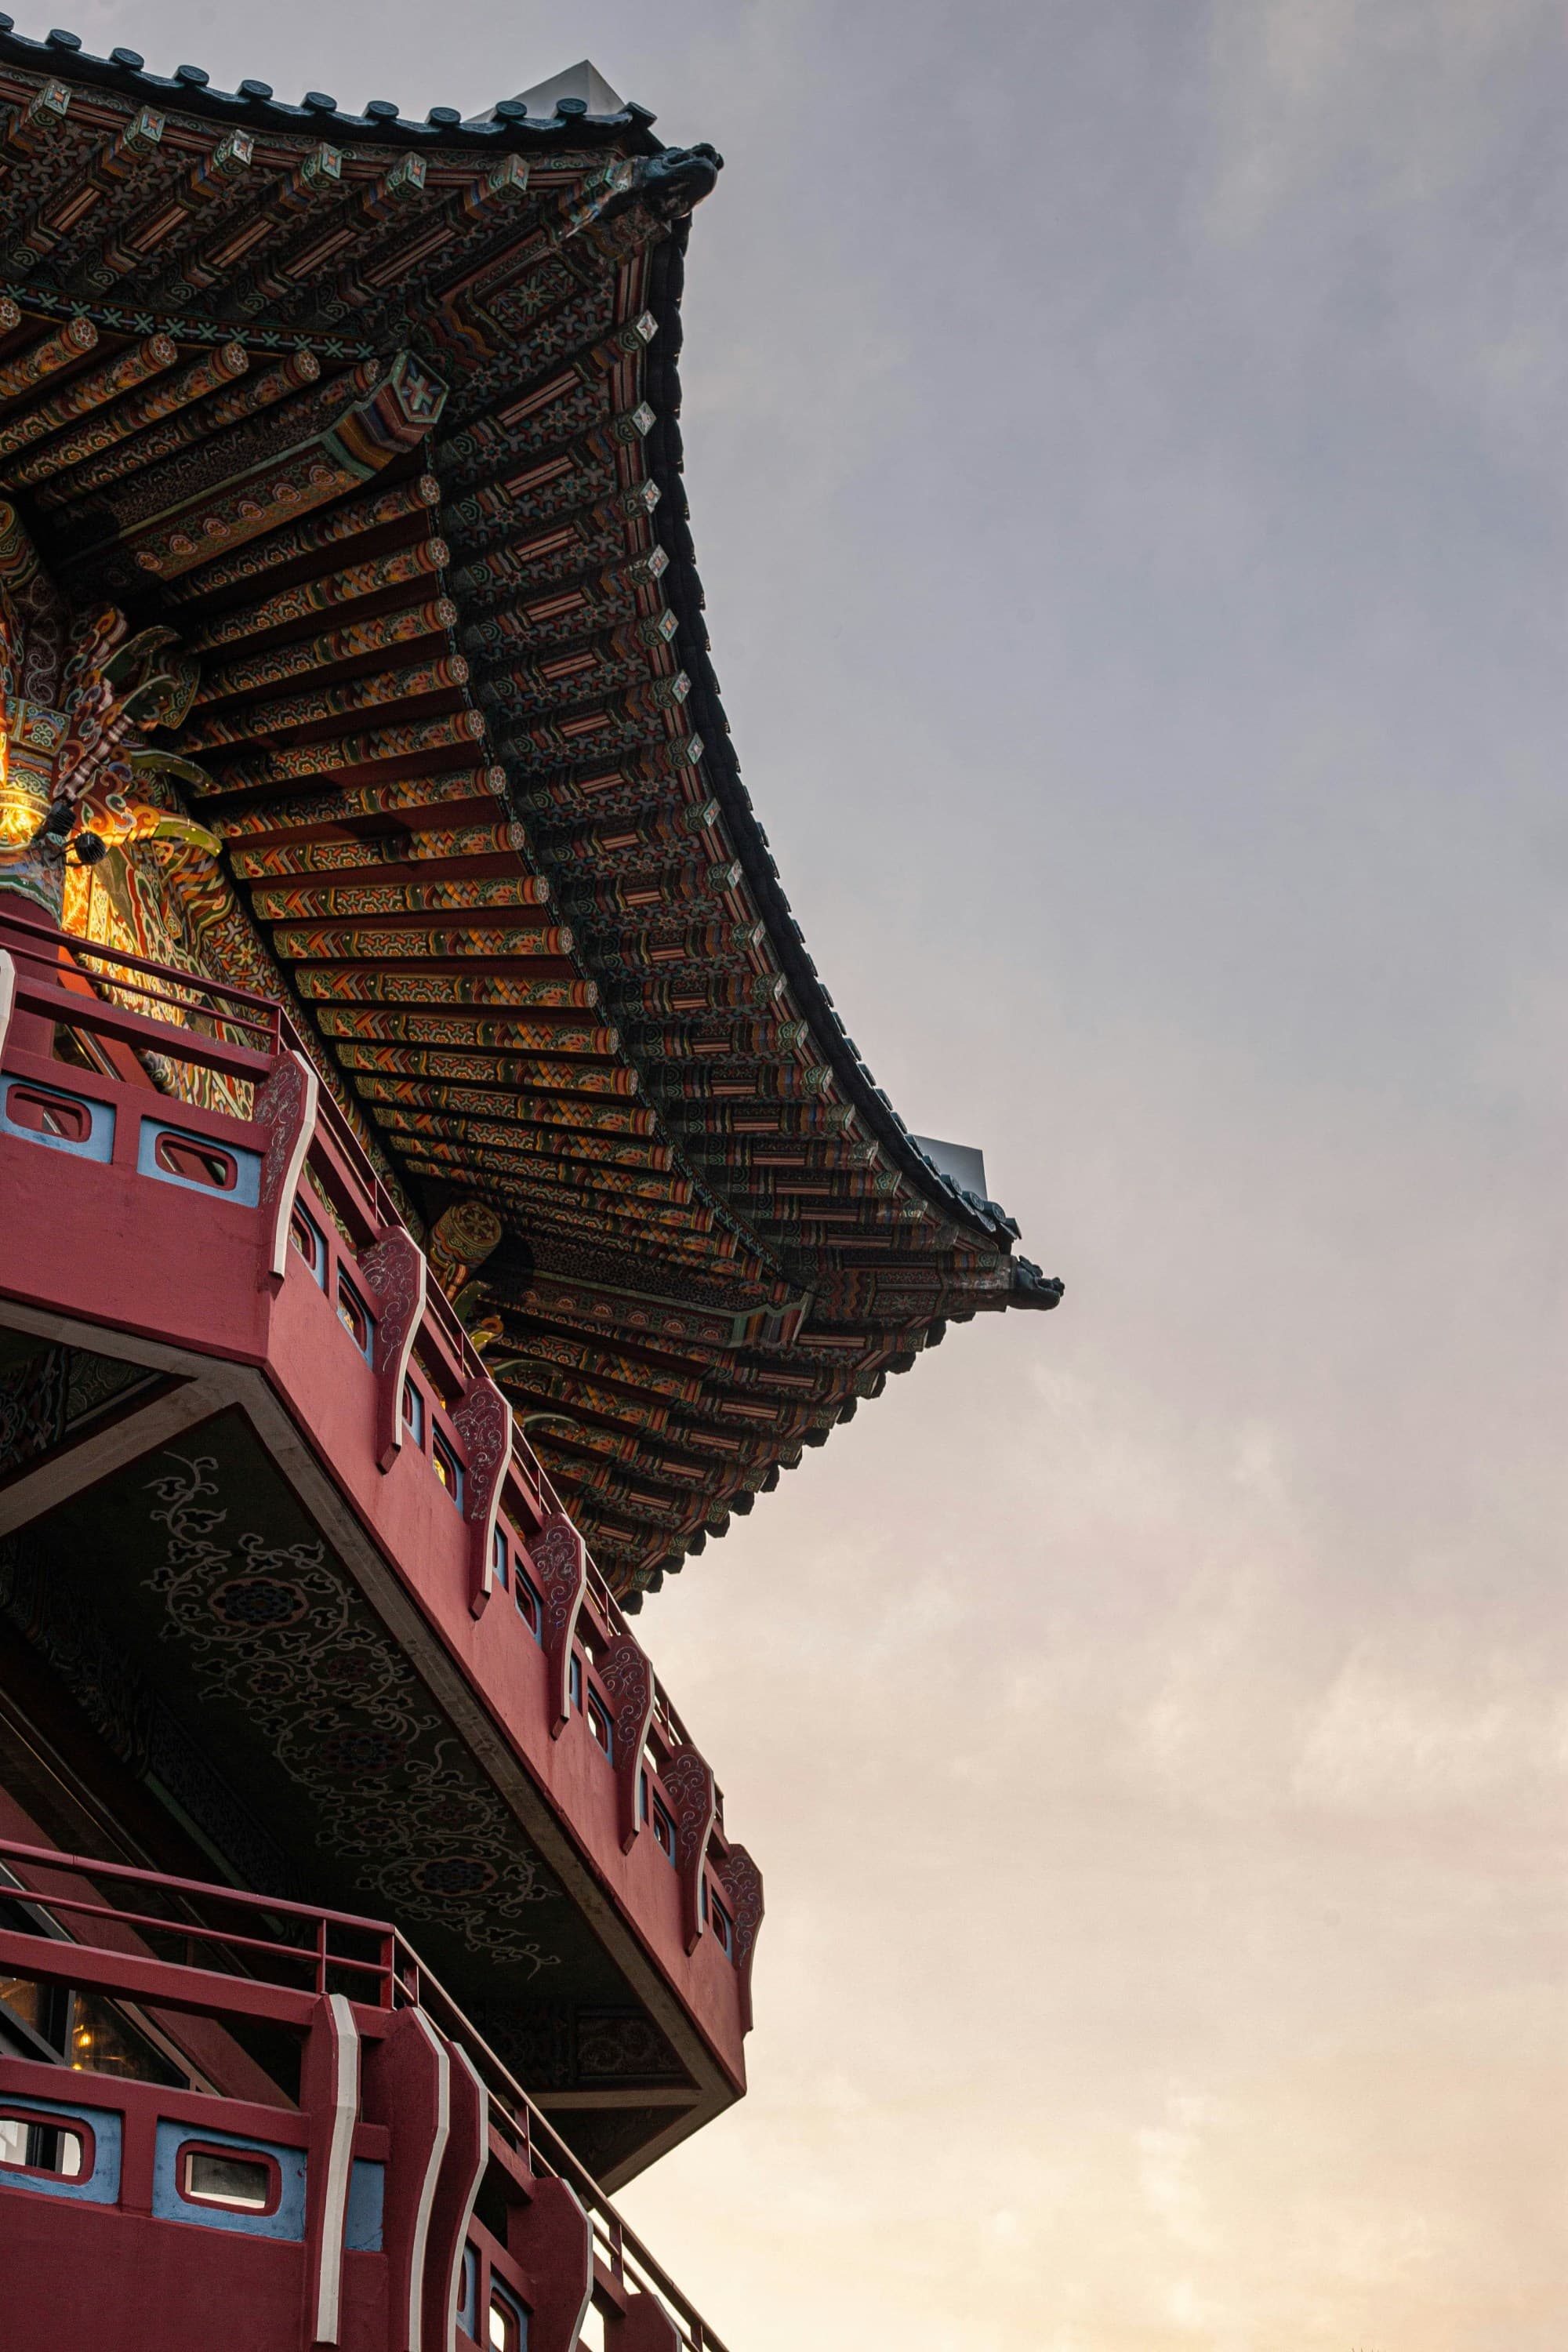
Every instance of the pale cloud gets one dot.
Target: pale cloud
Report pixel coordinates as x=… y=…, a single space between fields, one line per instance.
x=1369 y=147
x=1188 y=2310
x=1386 y=1738
x=1169 y=2169
x=1379 y=94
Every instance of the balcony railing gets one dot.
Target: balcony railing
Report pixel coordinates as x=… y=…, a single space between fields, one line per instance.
x=180 y=1947
x=171 y=1076
x=79 y=985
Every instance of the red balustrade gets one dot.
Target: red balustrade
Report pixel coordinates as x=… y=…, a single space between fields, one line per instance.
x=284 y=1193
x=144 y=2213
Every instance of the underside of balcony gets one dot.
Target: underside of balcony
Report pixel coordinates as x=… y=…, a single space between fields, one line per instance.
x=277 y=1585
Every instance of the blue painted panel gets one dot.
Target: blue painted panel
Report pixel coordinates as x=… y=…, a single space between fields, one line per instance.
x=98 y=1143
x=246 y=1189
x=500 y=2294
x=288 y=2222
x=315 y=1257
x=468 y=2302
x=361 y=2229
x=101 y=2186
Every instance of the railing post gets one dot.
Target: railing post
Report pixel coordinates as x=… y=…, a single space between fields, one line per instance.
x=627 y=1677
x=688 y=1785
x=30 y=1032
x=483 y=1422
x=561 y=1571
x=395 y=1270
x=742 y=1884
x=285 y=1106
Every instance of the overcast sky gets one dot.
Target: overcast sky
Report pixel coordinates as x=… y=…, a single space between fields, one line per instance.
x=1125 y=445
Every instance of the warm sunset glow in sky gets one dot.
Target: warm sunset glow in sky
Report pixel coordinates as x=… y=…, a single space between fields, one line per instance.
x=1125 y=441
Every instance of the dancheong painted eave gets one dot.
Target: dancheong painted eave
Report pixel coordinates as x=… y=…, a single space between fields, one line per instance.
x=381 y=419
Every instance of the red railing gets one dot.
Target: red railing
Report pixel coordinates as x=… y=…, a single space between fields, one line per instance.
x=394 y=1978
x=57 y=976
x=181 y=1921
x=47 y=959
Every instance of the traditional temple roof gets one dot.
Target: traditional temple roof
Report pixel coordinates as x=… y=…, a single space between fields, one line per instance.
x=382 y=417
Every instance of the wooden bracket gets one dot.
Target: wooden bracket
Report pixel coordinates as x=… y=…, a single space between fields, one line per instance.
x=408 y=2085
x=628 y=1678
x=552 y=2240
x=456 y=2193
x=743 y=1883
x=483 y=1422
x=285 y=1106
x=647 y=2326
x=693 y=1797
x=560 y=1571
x=329 y=2097
x=395 y=1273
